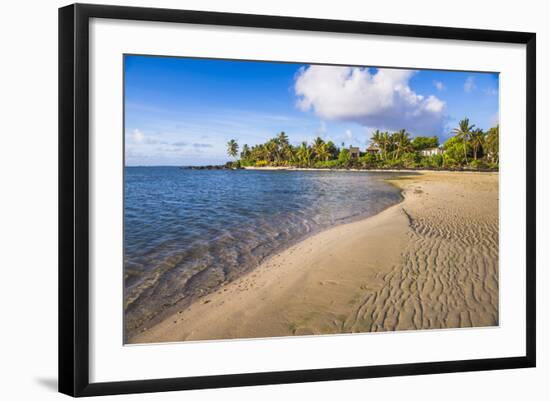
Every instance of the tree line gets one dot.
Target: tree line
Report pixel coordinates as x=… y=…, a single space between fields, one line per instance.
x=467 y=148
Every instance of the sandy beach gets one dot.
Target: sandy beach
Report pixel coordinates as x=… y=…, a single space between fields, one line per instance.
x=428 y=262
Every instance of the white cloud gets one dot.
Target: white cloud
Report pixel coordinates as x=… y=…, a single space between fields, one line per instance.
x=434 y=104
x=349 y=134
x=382 y=99
x=469 y=84
x=137 y=136
x=439 y=85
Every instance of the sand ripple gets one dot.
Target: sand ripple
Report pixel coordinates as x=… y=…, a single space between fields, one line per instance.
x=448 y=275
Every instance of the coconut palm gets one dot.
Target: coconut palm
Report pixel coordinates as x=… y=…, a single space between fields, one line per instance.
x=258 y=152
x=304 y=153
x=319 y=148
x=376 y=139
x=491 y=143
x=463 y=132
x=282 y=139
x=290 y=154
x=283 y=146
x=272 y=150
x=322 y=153
x=477 y=140
x=332 y=149
x=386 y=140
x=232 y=148
x=245 y=152
x=402 y=141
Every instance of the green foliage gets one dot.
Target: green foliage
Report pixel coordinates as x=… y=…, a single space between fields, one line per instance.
x=232 y=148
x=492 y=145
x=434 y=161
x=479 y=164
x=332 y=150
x=247 y=163
x=327 y=164
x=410 y=160
x=456 y=151
x=368 y=160
x=464 y=133
x=424 y=142
x=245 y=153
x=344 y=157
x=469 y=148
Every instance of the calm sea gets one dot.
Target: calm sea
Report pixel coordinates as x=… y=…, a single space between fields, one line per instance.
x=188 y=231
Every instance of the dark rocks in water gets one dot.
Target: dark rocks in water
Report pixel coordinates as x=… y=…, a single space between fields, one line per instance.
x=226 y=166
x=203 y=168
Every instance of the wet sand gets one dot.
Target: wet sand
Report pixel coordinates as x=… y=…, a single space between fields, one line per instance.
x=428 y=262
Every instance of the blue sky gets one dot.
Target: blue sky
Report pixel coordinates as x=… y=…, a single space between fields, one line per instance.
x=182 y=111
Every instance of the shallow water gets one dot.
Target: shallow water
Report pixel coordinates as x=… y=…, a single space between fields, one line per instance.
x=189 y=231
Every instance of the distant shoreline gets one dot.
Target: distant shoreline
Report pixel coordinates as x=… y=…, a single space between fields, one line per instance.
x=292 y=168
x=376 y=170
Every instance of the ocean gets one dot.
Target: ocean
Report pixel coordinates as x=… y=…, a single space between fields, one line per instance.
x=187 y=232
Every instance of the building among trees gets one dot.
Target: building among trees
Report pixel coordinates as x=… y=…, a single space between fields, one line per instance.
x=432 y=152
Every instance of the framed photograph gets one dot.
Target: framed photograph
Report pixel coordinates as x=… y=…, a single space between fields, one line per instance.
x=250 y=199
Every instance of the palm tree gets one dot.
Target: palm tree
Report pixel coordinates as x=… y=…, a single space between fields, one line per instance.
x=245 y=153
x=304 y=154
x=332 y=149
x=282 y=139
x=402 y=142
x=283 y=146
x=322 y=153
x=463 y=132
x=319 y=148
x=477 y=140
x=259 y=152
x=491 y=142
x=386 y=142
x=290 y=154
x=272 y=149
x=232 y=148
x=376 y=139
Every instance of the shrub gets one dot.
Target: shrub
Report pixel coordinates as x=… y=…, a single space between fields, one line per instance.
x=344 y=157
x=425 y=142
x=368 y=160
x=246 y=163
x=454 y=149
x=434 y=161
x=410 y=160
x=478 y=164
x=393 y=163
x=326 y=164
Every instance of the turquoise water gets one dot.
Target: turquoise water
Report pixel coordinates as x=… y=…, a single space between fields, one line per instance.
x=188 y=231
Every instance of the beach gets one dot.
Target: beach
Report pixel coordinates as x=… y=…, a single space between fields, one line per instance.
x=429 y=262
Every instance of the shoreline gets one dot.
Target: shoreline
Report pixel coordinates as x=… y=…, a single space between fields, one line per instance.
x=346 y=278
x=374 y=170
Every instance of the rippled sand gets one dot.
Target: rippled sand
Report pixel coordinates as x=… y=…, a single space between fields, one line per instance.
x=428 y=262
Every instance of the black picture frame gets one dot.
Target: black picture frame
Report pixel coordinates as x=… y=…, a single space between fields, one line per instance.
x=74 y=198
